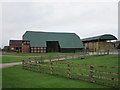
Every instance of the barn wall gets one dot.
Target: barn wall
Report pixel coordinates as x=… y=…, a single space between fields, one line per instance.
x=15 y=45
x=25 y=46
x=25 y=49
x=106 y=45
x=93 y=46
x=38 y=50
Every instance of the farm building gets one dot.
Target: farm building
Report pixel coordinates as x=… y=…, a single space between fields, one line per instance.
x=15 y=45
x=101 y=42
x=52 y=42
x=18 y=46
x=42 y=42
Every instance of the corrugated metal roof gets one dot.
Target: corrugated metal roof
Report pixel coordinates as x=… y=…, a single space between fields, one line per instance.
x=66 y=40
x=100 y=37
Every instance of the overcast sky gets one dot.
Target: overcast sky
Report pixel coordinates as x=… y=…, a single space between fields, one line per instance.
x=86 y=19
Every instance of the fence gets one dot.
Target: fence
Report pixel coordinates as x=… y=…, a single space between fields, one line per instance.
x=105 y=75
x=58 y=57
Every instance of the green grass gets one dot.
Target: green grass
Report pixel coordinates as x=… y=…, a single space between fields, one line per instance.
x=9 y=59
x=6 y=59
x=38 y=54
x=107 y=60
x=16 y=77
x=110 y=60
x=0 y=78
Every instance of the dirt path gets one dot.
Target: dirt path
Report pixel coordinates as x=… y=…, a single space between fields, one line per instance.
x=9 y=64
x=3 y=65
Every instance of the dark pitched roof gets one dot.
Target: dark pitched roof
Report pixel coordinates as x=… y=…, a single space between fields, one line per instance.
x=100 y=37
x=66 y=40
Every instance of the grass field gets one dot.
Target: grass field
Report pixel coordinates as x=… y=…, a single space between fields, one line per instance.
x=38 y=54
x=110 y=60
x=16 y=77
x=107 y=60
x=10 y=59
x=7 y=59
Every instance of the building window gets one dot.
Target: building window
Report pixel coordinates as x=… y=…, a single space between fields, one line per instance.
x=12 y=48
x=28 y=42
x=32 y=51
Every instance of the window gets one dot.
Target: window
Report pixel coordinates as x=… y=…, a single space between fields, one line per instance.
x=12 y=48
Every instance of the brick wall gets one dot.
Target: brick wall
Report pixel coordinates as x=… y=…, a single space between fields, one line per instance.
x=25 y=48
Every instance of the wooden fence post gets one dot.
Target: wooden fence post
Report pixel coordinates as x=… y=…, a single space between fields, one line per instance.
x=41 y=59
x=66 y=57
x=58 y=57
x=29 y=60
x=97 y=52
x=51 y=65
x=91 y=73
x=35 y=60
x=23 y=62
x=50 y=59
x=72 y=56
x=68 y=64
x=107 y=52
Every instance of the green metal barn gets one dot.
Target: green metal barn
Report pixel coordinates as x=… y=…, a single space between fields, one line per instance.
x=42 y=42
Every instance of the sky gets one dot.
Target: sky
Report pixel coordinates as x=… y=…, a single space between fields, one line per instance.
x=86 y=19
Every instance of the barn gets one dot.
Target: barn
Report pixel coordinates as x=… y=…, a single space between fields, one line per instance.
x=42 y=42
x=101 y=42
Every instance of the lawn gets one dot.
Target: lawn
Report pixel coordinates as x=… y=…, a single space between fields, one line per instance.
x=6 y=59
x=16 y=77
x=107 y=60
x=10 y=59
x=38 y=54
x=28 y=79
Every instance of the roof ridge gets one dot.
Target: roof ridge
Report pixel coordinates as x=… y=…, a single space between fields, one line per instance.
x=51 y=32
x=112 y=37
x=97 y=36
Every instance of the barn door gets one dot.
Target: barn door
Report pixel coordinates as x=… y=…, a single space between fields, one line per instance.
x=53 y=46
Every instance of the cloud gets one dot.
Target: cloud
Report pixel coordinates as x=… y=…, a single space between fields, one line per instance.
x=86 y=19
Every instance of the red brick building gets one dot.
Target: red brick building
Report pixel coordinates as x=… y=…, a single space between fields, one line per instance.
x=19 y=46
